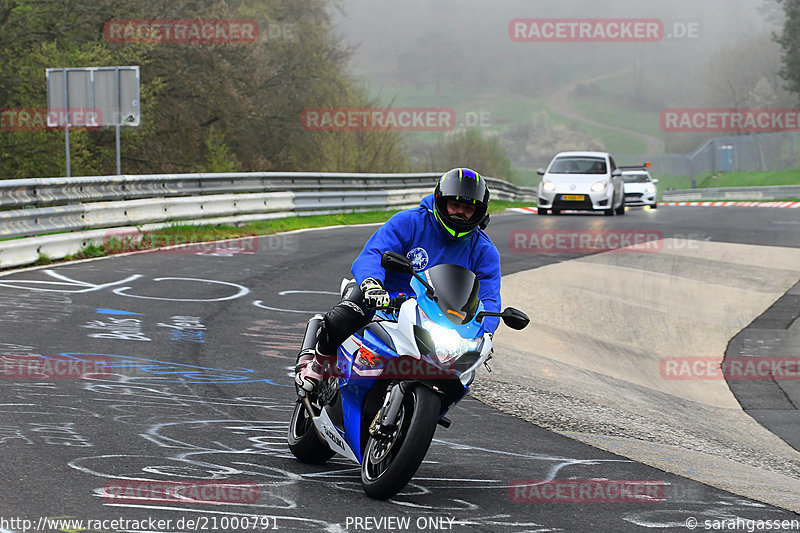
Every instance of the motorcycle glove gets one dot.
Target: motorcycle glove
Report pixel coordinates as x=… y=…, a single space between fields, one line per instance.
x=375 y=296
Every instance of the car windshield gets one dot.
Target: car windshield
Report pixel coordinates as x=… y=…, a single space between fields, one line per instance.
x=639 y=177
x=578 y=165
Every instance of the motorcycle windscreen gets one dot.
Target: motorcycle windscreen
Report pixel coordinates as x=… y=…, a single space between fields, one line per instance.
x=456 y=292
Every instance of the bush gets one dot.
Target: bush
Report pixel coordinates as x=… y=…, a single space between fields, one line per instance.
x=469 y=149
x=533 y=144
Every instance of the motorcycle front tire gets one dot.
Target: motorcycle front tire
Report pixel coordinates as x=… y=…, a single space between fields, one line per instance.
x=385 y=478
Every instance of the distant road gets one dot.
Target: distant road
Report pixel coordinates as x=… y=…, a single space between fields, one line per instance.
x=559 y=103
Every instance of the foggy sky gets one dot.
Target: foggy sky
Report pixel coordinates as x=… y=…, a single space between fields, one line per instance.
x=383 y=31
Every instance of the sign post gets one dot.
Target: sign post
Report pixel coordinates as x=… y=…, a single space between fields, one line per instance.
x=93 y=97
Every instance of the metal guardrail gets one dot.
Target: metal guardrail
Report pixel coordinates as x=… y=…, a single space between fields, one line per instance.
x=51 y=191
x=73 y=209
x=773 y=192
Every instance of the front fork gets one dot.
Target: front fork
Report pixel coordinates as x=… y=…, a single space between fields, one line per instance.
x=386 y=420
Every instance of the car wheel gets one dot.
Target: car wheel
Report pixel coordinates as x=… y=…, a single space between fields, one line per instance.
x=556 y=211
x=654 y=206
x=608 y=212
x=541 y=211
x=621 y=209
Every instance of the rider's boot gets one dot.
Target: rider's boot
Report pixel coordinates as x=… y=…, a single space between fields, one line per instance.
x=312 y=367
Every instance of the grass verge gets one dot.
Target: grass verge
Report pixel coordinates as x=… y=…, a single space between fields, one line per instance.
x=186 y=233
x=729 y=179
x=749 y=179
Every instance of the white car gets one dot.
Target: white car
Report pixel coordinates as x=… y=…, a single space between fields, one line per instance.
x=640 y=187
x=585 y=181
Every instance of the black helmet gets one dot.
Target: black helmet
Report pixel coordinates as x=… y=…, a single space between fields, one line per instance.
x=464 y=185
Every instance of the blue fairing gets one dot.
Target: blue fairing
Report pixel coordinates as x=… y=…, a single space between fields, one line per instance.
x=352 y=400
x=354 y=391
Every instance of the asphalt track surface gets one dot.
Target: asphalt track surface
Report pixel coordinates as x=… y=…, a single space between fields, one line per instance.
x=201 y=389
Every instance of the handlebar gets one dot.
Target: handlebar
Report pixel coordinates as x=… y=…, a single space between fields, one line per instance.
x=397 y=301
x=394 y=303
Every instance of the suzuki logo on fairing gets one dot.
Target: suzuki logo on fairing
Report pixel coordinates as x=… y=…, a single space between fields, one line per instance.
x=367 y=357
x=334 y=437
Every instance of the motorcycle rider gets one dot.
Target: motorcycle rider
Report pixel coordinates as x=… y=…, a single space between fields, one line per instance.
x=447 y=228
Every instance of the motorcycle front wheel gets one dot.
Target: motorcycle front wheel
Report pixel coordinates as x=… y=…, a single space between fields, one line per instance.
x=389 y=463
x=303 y=440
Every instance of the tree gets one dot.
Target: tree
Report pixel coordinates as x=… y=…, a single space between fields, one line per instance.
x=789 y=40
x=469 y=149
x=219 y=157
x=772 y=12
x=744 y=75
x=251 y=92
x=534 y=143
x=35 y=35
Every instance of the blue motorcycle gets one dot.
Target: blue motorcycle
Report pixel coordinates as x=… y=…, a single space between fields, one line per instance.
x=397 y=377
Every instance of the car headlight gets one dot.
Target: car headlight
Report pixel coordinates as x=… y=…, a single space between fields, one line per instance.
x=548 y=186
x=449 y=344
x=599 y=186
x=650 y=189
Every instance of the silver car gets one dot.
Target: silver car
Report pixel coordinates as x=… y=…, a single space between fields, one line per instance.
x=584 y=181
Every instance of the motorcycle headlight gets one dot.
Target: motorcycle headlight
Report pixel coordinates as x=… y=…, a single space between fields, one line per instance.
x=548 y=186
x=599 y=186
x=449 y=344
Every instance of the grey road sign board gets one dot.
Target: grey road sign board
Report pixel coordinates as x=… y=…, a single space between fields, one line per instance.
x=93 y=96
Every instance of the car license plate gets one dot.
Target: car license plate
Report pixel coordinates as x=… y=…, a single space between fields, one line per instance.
x=572 y=197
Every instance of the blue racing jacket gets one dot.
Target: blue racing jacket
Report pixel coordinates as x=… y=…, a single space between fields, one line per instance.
x=416 y=234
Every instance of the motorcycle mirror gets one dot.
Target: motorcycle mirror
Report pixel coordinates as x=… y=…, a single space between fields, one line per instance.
x=514 y=318
x=394 y=262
